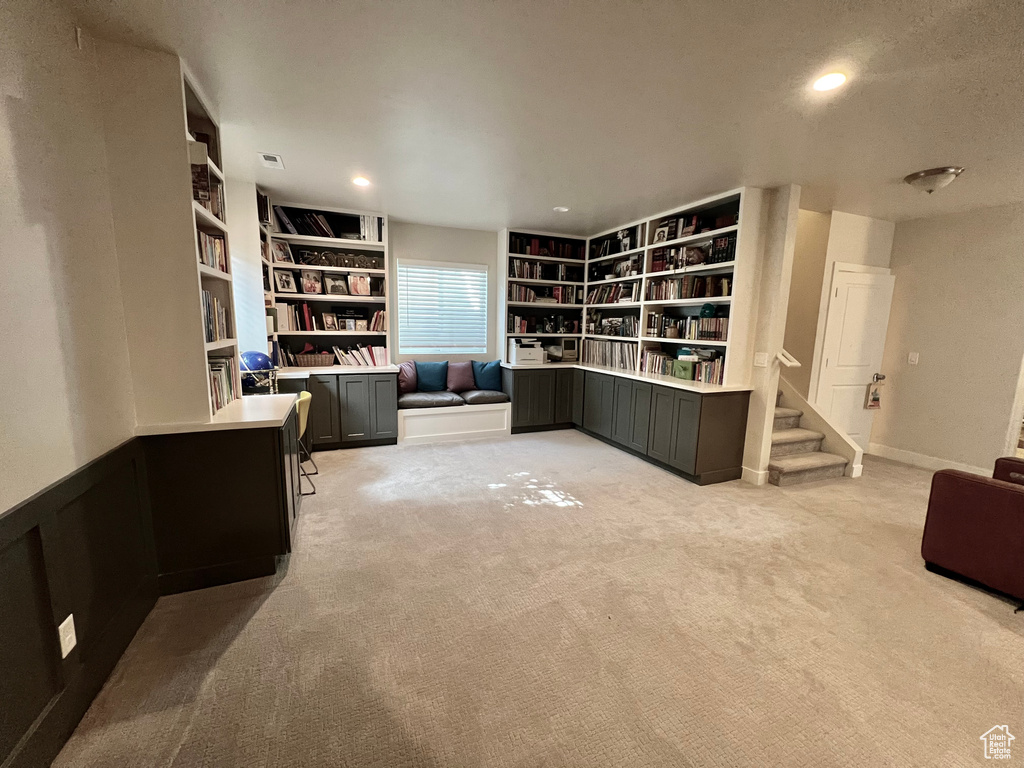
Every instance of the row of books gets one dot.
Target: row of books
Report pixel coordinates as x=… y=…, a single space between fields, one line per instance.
x=222 y=371
x=611 y=354
x=702 y=365
x=692 y=224
x=690 y=327
x=613 y=326
x=689 y=287
x=334 y=225
x=263 y=208
x=206 y=190
x=555 y=294
x=617 y=242
x=362 y=356
x=543 y=270
x=536 y=245
x=722 y=249
x=212 y=251
x=216 y=325
x=666 y=259
x=615 y=293
x=607 y=270
x=305 y=317
x=545 y=324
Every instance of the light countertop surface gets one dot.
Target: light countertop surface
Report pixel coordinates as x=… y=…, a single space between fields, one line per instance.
x=343 y=370
x=249 y=412
x=654 y=378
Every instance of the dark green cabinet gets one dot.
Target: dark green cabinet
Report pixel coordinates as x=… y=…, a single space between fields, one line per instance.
x=598 y=404
x=384 y=402
x=685 y=426
x=622 y=427
x=541 y=398
x=639 y=415
x=578 y=377
x=354 y=404
x=659 y=439
x=324 y=426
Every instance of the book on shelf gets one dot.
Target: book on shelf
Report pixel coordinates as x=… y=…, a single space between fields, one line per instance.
x=687 y=327
x=310 y=223
x=722 y=249
x=550 y=294
x=362 y=355
x=304 y=316
x=206 y=190
x=263 y=208
x=702 y=365
x=545 y=245
x=216 y=321
x=543 y=324
x=610 y=354
x=544 y=270
x=222 y=372
x=615 y=293
x=689 y=287
x=213 y=252
x=668 y=259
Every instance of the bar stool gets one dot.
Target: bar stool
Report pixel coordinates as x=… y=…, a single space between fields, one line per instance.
x=303 y=411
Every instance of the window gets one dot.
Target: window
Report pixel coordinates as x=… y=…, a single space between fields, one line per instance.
x=442 y=308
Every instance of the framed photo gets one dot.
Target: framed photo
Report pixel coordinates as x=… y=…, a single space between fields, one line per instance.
x=603 y=251
x=282 y=252
x=359 y=285
x=285 y=282
x=350 y=324
x=335 y=286
x=330 y=321
x=311 y=282
x=661 y=234
x=361 y=325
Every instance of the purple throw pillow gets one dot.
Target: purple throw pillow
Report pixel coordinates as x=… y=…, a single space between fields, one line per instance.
x=407 y=377
x=460 y=377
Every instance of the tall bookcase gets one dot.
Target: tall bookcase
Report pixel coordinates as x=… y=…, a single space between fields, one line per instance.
x=163 y=151
x=345 y=305
x=639 y=283
x=540 y=287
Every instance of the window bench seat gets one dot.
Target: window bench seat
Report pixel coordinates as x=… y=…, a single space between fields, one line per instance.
x=433 y=417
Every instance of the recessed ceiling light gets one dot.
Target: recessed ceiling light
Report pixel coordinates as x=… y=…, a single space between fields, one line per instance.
x=361 y=181
x=830 y=81
x=561 y=209
x=270 y=160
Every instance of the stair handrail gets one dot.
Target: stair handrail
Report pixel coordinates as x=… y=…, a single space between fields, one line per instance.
x=787 y=359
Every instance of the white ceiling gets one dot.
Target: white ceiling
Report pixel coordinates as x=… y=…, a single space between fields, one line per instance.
x=488 y=113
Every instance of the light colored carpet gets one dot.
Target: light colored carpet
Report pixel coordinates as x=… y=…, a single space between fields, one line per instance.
x=551 y=601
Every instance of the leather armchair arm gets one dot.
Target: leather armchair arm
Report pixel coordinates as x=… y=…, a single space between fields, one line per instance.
x=1010 y=470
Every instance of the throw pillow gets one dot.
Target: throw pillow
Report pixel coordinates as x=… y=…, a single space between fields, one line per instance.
x=432 y=377
x=460 y=377
x=487 y=375
x=407 y=377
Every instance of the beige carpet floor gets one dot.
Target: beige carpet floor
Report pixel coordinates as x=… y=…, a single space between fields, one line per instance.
x=551 y=601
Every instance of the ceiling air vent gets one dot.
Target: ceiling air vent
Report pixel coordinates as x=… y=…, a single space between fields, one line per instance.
x=271 y=161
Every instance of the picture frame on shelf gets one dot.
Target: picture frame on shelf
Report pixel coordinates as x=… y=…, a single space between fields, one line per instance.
x=282 y=252
x=285 y=282
x=359 y=285
x=311 y=281
x=350 y=324
x=362 y=325
x=335 y=286
x=330 y=321
x=661 y=234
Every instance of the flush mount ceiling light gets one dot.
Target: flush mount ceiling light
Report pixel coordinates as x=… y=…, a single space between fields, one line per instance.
x=361 y=181
x=829 y=82
x=934 y=178
x=561 y=209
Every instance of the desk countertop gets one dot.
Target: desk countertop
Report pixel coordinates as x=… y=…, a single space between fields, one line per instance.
x=249 y=412
x=653 y=378
x=343 y=370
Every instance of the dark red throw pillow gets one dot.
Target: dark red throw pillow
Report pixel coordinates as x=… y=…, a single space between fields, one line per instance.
x=460 y=377
x=407 y=377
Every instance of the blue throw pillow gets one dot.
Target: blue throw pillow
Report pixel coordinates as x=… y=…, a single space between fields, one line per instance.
x=487 y=375
x=432 y=377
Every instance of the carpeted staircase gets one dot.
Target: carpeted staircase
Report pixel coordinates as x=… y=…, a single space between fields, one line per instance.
x=796 y=453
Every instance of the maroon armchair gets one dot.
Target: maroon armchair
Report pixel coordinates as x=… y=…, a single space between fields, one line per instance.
x=975 y=526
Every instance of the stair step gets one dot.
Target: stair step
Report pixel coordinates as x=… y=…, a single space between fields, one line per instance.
x=786 y=442
x=805 y=467
x=786 y=418
x=780 y=412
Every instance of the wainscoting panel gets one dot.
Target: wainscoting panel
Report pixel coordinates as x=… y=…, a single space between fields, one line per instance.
x=83 y=546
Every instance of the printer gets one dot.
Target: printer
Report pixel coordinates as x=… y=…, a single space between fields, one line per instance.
x=525 y=352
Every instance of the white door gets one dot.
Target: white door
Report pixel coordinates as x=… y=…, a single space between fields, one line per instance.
x=858 y=315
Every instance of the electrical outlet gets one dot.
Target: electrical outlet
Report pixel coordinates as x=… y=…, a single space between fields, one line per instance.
x=68 y=640
x=760 y=359
x=912 y=358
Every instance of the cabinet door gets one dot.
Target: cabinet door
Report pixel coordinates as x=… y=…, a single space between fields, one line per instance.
x=685 y=427
x=542 y=409
x=522 y=397
x=291 y=386
x=659 y=433
x=323 y=428
x=290 y=479
x=622 y=410
x=383 y=406
x=355 y=408
x=640 y=416
x=578 y=385
x=598 y=404
x=563 y=395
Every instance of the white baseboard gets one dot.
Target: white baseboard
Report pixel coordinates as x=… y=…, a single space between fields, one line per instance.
x=754 y=476
x=923 y=461
x=854 y=470
x=456 y=422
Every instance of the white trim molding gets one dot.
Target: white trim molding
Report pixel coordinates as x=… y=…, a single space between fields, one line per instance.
x=454 y=422
x=923 y=461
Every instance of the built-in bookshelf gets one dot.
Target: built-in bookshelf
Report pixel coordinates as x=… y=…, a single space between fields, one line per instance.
x=541 y=288
x=325 y=285
x=665 y=295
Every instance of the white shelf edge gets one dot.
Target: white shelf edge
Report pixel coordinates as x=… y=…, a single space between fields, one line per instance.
x=335 y=242
x=207 y=271
x=533 y=281
x=691 y=342
x=558 y=259
x=205 y=217
x=540 y=304
x=610 y=338
x=628 y=304
x=220 y=344
x=615 y=280
x=545 y=335
x=689 y=302
x=623 y=255
x=344 y=270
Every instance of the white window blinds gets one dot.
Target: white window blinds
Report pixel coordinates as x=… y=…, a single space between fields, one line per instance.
x=442 y=308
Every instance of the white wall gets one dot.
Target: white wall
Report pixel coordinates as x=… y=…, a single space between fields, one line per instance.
x=66 y=396
x=805 y=294
x=464 y=246
x=959 y=303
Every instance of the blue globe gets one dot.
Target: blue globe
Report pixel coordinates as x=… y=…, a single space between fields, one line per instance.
x=255 y=361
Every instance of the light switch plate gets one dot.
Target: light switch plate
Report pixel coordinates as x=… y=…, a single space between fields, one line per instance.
x=760 y=359
x=68 y=640
x=912 y=358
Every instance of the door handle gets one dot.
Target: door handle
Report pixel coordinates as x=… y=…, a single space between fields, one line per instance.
x=878 y=377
